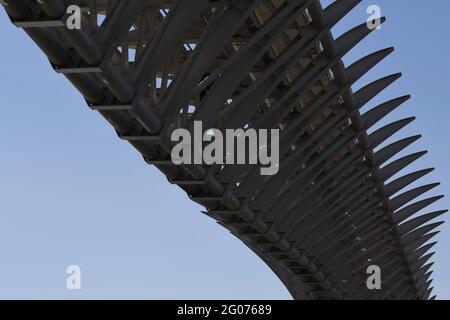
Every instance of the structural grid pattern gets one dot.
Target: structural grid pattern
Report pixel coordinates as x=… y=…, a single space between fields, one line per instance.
x=149 y=67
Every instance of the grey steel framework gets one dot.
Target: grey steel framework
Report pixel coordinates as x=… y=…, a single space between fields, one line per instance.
x=155 y=65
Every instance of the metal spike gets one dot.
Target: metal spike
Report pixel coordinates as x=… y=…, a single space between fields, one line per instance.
x=367 y=93
x=338 y=10
x=384 y=133
x=420 y=241
x=351 y=38
x=393 y=168
x=421 y=262
x=391 y=150
x=376 y=114
x=408 y=211
x=408 y=238
x=422 y=271
x=410 y=195
x=424 y=283
x=421 y=220
x=362 y=66
x=402 y=182
x=416 y=255
x=424 y=293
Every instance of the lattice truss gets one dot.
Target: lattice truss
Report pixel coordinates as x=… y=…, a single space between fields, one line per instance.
x=151 y=66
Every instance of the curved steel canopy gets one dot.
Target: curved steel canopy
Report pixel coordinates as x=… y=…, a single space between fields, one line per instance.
x=151 y=66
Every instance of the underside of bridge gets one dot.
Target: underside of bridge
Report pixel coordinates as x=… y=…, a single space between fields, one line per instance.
x=149 y=67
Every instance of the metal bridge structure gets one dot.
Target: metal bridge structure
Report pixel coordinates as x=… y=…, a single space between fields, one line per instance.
x=335 y=207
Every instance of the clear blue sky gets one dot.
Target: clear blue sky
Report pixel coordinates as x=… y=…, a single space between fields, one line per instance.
x=72 y=193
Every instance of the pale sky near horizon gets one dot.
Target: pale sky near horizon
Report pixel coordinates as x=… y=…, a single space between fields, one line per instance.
x=72 y=193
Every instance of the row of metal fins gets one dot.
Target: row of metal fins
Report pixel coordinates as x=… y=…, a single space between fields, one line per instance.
x=331 y=210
